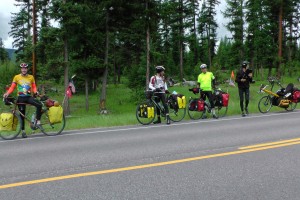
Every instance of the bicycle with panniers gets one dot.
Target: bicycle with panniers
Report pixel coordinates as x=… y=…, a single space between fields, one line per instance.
x=198 y=106
x=146 y=110
x=52 y=118
x=286 y=98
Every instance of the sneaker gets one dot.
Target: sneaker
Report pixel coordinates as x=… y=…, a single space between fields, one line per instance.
x=243 y=114
x=247 y=112
x=24 y=134
x=168 y=120
x=215 y=116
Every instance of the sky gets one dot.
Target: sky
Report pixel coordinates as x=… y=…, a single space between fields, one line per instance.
x=7 y=7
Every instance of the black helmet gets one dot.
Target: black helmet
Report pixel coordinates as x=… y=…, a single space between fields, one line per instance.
x=23 y=65
x=245 y=63
x=159 y=69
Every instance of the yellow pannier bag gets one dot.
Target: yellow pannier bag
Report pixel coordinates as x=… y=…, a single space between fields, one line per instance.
x=150 y=112
x=181 y=101
x=55 y=114
x=8 y=122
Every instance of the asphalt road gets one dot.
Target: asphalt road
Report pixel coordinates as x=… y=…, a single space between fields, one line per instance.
x=205 y=159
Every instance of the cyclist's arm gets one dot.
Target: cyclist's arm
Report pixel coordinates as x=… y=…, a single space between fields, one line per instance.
x=10 y=90
x=34 y=89
x=151 y=83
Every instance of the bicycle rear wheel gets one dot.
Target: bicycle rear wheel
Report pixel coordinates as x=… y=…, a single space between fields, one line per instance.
x=221 y=111
x=49 y=128
x=145 y=112
x=193 y=111
x=265 y=104
x=14 y=132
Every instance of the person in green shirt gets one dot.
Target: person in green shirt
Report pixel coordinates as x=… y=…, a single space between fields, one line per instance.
x=206 y=82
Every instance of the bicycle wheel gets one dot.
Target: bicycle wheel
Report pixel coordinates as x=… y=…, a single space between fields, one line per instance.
x=265 y=104
x=192 y=110
x=14 y=132
x=145 y=112
x=292 y=106
x=176 y=114
x=221 y=111
x=49 y=128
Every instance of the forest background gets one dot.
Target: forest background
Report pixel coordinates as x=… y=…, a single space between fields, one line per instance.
x=119 y=43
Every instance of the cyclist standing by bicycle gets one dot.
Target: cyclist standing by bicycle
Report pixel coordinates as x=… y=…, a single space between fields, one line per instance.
x=26 y=87
x=243 y=79
x=158 y=84
x=206 y=82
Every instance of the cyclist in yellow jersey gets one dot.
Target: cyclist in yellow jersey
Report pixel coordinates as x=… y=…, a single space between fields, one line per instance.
x=26 y=87
x=206 y=82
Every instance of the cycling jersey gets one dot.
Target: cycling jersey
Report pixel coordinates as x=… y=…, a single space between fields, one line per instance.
x=157 y=82
x=25 y=85
x=205 y=81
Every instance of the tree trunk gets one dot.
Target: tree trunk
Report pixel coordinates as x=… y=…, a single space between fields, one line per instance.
x=102 y=105
x=148 y=50
x=66 y=75
x=180 y=41
x=34 y=39
x=280 y=40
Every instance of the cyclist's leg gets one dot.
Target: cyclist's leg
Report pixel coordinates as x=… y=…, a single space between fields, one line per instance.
x=38 y=106
x=22 y=109
x=212 y=104
x=157 y=99
x=247 y=97
x=241 y=94
x=164 y=102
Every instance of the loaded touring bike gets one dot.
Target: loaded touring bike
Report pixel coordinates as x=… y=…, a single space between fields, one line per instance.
x=52 y=119
x=146 y=111
x=199 y=106
x=284 y=98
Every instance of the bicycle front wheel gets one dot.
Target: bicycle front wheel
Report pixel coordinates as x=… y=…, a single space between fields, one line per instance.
x=145 y=112
x=221 y=111
x=292 y=106
x=49 y=128
x=176 y=114
x=193 y=111
x=14 y=129
x=265 y=104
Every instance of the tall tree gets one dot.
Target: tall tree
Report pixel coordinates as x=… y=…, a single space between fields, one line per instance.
x=235 y=12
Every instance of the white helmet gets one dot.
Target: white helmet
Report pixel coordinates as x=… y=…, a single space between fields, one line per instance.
x=159 y=69
x=203 y=66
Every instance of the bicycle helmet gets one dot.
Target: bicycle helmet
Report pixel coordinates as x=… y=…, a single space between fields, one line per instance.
x=23 y=65
x=159 y=69
x=203 y=66
x=245 y=63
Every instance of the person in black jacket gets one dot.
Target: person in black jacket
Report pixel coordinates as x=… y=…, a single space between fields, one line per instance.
x=243 y=79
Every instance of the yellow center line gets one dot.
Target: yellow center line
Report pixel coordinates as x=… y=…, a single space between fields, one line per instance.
x=269 y=143
x=57 y=178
